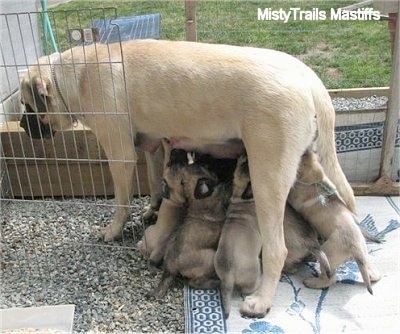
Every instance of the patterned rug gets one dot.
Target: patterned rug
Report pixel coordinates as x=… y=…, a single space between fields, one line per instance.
x=346 y=307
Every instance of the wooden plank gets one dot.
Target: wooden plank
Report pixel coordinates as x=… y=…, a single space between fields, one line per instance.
x=78 y=143
x=71 y=164
x=393 y=113
x=66 y=180
x=190 y=13
x=383 y=187
x=358 y=5
x=359 y=92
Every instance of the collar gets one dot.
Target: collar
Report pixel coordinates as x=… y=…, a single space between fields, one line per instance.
x=322 y=198
x=57 y=86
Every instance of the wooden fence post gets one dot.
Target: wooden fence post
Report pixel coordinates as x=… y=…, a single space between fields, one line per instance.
x=190 y=13
x=391 y=123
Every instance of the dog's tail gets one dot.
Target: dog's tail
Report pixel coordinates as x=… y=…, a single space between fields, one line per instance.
x=326 y=147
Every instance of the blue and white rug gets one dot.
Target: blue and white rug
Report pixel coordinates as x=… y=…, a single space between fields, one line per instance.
x=346 y=307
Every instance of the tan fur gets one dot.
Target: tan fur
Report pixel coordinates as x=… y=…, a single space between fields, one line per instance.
x=237 y=260
x=170 y=216
x=190 y=250
x=208 y=93
x=333 y=220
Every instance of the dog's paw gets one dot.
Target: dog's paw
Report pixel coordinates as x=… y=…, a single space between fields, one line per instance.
x=254 y=306
x=317 y=283
x=110 y=232
x=149 y=213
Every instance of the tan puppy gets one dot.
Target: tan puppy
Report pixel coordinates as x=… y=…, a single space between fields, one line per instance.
x=190 y=251
x=237 y=260
x=315 y=197
x=211 y=94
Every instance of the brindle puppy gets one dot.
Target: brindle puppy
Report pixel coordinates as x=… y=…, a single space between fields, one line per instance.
x=237 y=260
x=315 y=197
x=191 y=249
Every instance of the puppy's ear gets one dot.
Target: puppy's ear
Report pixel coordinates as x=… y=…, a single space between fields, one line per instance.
x=178 y=157
x=204 y=188
x=248 y=192
x=165 y=190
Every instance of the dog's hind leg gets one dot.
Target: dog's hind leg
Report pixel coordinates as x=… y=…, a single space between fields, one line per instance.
x=274 y=153
x=326 y=147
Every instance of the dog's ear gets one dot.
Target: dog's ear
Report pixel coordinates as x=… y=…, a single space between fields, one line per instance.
x=204 y=188
x=41 y=94
x=165 y=190
x=248 y=192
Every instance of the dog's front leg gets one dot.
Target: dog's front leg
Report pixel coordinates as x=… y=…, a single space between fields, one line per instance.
x=120 y=150
x=154 y=162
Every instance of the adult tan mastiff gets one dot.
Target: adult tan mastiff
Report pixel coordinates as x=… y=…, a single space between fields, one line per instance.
x=210 y=94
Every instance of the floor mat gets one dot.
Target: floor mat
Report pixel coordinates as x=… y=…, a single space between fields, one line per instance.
x=346 y=307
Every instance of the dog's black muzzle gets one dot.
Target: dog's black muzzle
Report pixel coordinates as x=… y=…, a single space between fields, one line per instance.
x=32 y=125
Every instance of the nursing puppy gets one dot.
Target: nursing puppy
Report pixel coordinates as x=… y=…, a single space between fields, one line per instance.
x=315 y=197
x=191 y=249
x=210 y=94
x=237 y=260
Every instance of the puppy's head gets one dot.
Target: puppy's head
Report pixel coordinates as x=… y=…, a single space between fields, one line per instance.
x=310 y=169
x=44 y=114
x=241 y=180
x=172 y=183
x=199 y=183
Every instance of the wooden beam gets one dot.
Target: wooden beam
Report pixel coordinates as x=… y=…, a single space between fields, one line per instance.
x=393 y=113
x=358 y=5
x=190 y=13
x=359 y=92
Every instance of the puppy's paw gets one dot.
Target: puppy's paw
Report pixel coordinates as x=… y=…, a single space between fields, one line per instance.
x=317 y=283
x=149 y=213
x=111 y=232
x=141 y=246
x=374 y=275
x=254 y=306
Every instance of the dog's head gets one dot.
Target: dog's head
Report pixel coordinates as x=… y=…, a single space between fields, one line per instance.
x=45 y=113
x=241 y=180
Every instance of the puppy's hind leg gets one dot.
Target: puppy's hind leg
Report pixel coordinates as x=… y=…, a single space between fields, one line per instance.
x=162 y=288
x=227 y=286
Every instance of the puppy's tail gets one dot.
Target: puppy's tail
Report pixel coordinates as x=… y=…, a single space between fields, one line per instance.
x=363 y=266
x=326 y=147
x=323 y=261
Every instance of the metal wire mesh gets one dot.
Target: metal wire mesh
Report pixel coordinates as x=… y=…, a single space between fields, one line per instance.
x=57 y=193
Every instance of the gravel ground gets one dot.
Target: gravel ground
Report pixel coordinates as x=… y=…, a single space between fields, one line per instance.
x=370 y=102
x=51 y=256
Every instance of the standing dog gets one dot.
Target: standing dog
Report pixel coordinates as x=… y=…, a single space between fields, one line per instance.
x=191 y=249
x=237 y=260
x=315 y=197
x=210 y=94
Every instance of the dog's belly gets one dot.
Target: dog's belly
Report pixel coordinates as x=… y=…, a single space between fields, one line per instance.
x=228 y=149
